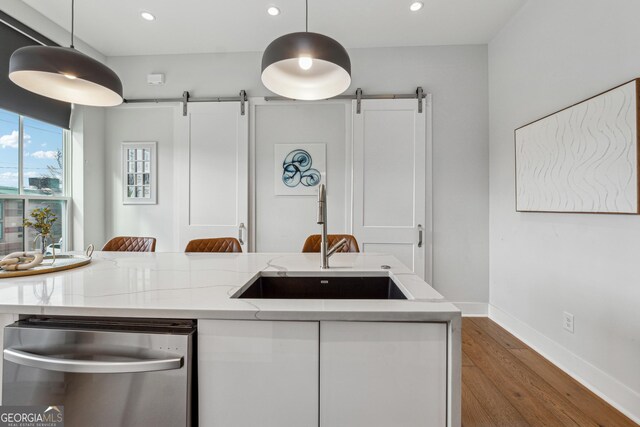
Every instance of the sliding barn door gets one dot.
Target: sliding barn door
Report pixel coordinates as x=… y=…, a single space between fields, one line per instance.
x=389 y=157
x=212 y=172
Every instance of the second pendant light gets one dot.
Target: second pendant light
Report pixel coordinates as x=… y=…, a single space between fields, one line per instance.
x=65 y=74
x=306 y=66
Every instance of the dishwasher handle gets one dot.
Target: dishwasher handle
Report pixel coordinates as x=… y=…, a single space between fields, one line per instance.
x=90 y=366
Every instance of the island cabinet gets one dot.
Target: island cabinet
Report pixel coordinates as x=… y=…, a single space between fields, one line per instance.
x=321 y=374
x=375 y=374
x=257 y=373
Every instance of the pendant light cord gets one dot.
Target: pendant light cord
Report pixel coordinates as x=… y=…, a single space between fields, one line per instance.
x=306 y=17
x=72 y=20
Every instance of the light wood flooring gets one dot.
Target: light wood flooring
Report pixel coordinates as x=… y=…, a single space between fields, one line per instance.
x=506 y=383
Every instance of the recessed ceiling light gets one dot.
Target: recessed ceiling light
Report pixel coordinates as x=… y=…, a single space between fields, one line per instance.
x=147 y=16
x=273 y=11
x=416 y=6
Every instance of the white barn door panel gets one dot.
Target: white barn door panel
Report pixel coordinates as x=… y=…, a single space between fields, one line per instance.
x=212 y=173
x=389 y=166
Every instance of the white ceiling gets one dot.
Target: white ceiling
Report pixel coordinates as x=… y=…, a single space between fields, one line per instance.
x=114 y=27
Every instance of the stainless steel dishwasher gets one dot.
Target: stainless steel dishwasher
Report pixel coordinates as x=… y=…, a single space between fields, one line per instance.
x=128 y=372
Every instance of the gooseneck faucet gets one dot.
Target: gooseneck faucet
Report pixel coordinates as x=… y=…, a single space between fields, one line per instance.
x=325 y=252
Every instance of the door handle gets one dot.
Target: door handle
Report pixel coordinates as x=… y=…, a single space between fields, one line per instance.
x=90 y=366
x=240 y=233
x=419 y=235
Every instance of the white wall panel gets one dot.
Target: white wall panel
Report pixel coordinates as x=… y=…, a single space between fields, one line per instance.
x=284 y=222
x=212 y=172
x=149 y=123
x=214 y=165
x=389 y=175
x=390 y=167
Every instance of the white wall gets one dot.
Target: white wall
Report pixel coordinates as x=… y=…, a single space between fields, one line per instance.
x=88 y=177
x=94 y=175
x=551 y=55
x=284 y=222
x=131 y=124
x=457 y=78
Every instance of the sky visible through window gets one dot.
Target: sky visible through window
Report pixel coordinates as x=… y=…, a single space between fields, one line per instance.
x=42 y=156
x=8 y=152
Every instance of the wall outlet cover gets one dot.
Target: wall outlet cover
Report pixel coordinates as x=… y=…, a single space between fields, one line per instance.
x=155 y=79
x=567 y=321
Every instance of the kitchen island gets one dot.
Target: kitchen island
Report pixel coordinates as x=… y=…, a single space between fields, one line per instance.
x=277 y=362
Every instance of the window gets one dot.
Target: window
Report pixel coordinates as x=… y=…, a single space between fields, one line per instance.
x=33 y=174
x=11 y=238
x=10 y=153
x=42 y=158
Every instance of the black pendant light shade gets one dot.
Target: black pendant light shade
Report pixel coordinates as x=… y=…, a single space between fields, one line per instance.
x=306 y=66
x=65 y=74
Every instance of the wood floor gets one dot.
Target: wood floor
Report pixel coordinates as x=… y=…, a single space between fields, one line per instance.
x=506 y=383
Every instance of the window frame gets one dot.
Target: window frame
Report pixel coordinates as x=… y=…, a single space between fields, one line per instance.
x=1 y=220
x=27 y=199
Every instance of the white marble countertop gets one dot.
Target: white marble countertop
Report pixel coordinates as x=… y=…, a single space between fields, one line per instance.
x=200 y=285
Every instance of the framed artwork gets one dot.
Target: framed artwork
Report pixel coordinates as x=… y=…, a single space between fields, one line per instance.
x=299 y=168
x=583 y=159
x=139 y=178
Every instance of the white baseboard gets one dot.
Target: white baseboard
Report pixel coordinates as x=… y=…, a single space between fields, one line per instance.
x=473 y=309
x=608 y=388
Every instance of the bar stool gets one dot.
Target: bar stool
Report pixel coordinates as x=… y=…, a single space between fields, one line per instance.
x=220 y=244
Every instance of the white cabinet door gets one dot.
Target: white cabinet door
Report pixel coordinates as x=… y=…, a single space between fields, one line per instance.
x=257 y=373
x=212 y=172
x=389 y=186
x=383 y=374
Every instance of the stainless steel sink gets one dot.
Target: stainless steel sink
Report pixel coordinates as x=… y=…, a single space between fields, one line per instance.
x=322 y=287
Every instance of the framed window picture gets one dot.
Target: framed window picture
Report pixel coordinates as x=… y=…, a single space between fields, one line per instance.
x=139 y=177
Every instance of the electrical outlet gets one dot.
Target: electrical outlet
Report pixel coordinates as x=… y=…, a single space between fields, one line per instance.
x=567 y=321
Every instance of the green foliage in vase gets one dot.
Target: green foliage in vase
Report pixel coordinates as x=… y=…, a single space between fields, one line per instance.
x=43 y=220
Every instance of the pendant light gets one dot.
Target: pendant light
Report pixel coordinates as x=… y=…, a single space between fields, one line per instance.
x=65 y=74
x=306 y=66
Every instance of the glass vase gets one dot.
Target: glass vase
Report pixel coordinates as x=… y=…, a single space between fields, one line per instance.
x=43 y=243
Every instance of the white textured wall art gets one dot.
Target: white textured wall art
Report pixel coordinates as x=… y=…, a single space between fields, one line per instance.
x=582 y=159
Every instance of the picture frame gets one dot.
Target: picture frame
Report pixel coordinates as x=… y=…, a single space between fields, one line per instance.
x=299 y=168
x=584 y=158
x=139 y=173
